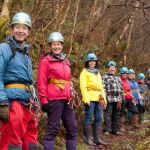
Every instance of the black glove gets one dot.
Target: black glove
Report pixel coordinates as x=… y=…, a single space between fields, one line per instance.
x=4 y=112
x=45 y=107
x=86 y=104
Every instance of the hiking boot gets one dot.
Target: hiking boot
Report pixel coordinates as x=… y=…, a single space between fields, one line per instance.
x=96 y=136
x=49 y=145
x=135 y=121
x=106 y=133
x=40 y=147
x=117 y=133
x=121 y=124
x=71 y=144
x=86 y=136
x=122 y=129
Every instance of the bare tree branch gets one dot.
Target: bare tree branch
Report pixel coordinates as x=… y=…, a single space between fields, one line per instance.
x=89 y=23
x=74 y=24
x=37 y=14
x=65 y=16
x=122 y=34
x=129 y=38
x=44 y=28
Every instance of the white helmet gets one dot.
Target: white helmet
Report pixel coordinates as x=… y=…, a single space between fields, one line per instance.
x=55 y=36
x=21 y=18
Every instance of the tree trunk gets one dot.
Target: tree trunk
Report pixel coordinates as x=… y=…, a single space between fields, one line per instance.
x=74 y=25
x=5 y=9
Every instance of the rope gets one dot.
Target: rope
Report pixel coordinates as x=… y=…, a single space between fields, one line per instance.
x=34 y=104
x=35 y=110
x=75 y=100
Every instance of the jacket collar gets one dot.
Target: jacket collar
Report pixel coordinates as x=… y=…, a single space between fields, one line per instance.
x=24 y=47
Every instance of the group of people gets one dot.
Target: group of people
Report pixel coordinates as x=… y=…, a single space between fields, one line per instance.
x=110 y=94
x=18 y=103
x=114 y=97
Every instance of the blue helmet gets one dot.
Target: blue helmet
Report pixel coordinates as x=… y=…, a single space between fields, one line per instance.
x=21 y=18
x=55 y=36
x=141 y=76
x=124 y=70
x=90 y=57
x=111 y=63
x=131 y=71
x=148 y=71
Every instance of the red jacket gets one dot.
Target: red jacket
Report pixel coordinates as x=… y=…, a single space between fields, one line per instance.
x=51 y=68
x=126 y=89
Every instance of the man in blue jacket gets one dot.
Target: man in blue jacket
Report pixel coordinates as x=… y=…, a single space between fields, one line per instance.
x=19 y=129
x=137 y=98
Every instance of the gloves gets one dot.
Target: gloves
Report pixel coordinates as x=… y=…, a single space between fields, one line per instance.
x=45 y=107
x=4 y=112
x=86 y=104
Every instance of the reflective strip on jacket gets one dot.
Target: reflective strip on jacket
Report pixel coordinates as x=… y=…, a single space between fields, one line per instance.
x=17 y=69
x=91 y=86
x=50 y=68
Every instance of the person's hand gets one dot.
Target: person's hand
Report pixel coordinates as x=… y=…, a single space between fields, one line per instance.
x=119 y=105
x=86 y=104
x=4 y=112
x=103 y=104
x=45 y=107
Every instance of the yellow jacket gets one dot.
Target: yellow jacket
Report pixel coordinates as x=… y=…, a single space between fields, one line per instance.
x=91 y=86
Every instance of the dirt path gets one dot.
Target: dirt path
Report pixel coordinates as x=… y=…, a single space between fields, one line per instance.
x=133 y=139
x=137 y=139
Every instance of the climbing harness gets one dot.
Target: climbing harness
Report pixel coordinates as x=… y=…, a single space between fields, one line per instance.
x=34 y=104
x=75 y=100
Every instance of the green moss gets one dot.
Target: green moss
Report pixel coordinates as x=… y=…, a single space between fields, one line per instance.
x=4 y=24
x=3 y=21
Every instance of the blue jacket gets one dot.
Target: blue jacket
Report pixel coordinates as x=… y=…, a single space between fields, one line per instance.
x=135 y=91
x=144 y=90
x=16 y=69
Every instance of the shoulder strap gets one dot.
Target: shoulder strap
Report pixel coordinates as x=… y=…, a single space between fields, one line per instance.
x=13 y=49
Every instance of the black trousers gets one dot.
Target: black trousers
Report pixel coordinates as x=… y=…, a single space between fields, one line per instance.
x=111 y=117
x=130 y=107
